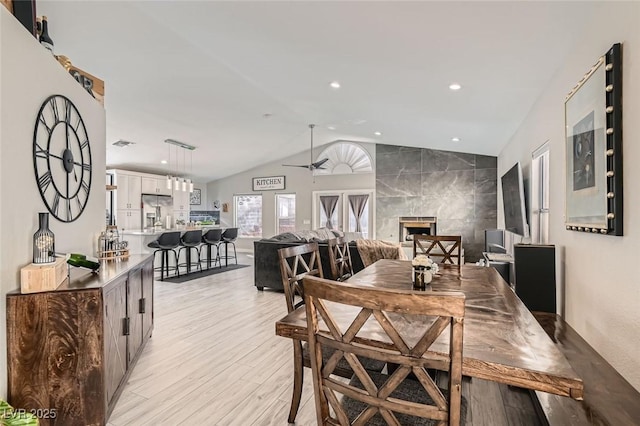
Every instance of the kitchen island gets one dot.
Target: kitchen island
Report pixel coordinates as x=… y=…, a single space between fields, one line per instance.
x=138 y=240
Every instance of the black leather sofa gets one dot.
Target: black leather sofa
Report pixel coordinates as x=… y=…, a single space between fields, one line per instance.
x=267 y=264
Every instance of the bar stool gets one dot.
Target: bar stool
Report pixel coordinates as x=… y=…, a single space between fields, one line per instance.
x=229 y=236
x=190 y=240
x=166 y=242
x=210 y=239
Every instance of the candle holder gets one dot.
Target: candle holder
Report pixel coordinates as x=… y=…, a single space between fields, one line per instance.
x=44 y=242
x=421 y=277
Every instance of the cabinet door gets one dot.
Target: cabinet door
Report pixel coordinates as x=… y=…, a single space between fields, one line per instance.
x=135 y=318
x=147 y=296
x=135 y=220
x=129 y=220
x=115 y=341
x=149 y=185
x=135 y=192
x=122 y=193
x=162 y=187
x=181 y=200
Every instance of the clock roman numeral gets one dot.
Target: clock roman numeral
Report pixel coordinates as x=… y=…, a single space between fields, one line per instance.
x=44 y=122
x=79 y=203
x=69 y=214
x=41 y=152
x=56 y=204
x=54 y=109
x=67 y=110
x=86 y=166
x=77 y=124
x=85 y=186
x=84 y=144
x=44 y=181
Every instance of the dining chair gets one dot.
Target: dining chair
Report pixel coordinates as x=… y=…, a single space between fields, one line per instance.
x=379 y=399
x=340 y=259
x=446 y=248
x=296 y=263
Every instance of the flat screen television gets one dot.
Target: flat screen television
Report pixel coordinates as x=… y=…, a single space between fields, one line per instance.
x=513 y=201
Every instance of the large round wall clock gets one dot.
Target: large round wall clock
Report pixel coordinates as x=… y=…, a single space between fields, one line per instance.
x=62 y=158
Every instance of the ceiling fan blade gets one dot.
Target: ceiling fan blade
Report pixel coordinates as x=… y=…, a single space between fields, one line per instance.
x=317 y=164
x=295 y=165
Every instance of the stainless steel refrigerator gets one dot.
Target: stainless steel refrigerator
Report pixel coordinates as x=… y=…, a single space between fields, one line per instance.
x=155 y=209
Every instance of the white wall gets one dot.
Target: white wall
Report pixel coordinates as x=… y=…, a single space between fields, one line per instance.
x=599 y=283
x=28 y=75
x=298 y=180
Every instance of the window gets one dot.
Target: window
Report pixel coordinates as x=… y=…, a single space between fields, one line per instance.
x=349 y=211
x=285 y=213
x=540 y=195
x=248 y=215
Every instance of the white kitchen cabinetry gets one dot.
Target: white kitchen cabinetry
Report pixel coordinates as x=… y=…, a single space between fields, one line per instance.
x=128 y=192
x=181 y=201
x=156 y=186
x=129 y=220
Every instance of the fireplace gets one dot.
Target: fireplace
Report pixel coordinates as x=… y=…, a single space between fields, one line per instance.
x=408 y=226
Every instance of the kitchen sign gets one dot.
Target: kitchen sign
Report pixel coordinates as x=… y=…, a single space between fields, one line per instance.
x=268 y=183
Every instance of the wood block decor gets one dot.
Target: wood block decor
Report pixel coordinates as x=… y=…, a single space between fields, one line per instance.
x=35 y=278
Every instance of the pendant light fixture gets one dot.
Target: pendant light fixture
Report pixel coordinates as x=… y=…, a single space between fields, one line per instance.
x=191 y=171
x=175 y=182
x=169 y=185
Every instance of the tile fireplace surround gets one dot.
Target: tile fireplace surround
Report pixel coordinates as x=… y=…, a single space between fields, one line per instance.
x=458 y=189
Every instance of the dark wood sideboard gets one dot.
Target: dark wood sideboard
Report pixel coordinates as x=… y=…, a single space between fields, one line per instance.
x=70 y=351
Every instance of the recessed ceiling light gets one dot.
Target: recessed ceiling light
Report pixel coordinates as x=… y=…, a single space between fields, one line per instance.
x=455 y=139
x=331 y=127
x=377 y=133
x=164 y=162
x=335 y=84
x=455 y=86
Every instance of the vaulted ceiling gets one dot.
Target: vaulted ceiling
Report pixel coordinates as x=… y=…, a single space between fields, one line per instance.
x=242 y=80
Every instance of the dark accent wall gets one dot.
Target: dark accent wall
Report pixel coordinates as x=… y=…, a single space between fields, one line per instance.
x=459 y=189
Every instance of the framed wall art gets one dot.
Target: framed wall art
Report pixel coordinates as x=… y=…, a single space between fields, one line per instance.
x=593 y=137
x=195 y=198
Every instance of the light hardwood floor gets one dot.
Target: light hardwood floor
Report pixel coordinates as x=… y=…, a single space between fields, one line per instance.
x=214 y=359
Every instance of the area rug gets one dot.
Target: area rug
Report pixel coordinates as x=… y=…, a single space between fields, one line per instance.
x=195 y=275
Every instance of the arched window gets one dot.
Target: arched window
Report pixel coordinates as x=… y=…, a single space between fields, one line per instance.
x=344 y=158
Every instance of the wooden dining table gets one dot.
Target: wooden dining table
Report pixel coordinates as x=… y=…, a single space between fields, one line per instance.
x=502 y=342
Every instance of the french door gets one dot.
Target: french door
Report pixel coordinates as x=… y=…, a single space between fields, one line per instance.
x=347 y=211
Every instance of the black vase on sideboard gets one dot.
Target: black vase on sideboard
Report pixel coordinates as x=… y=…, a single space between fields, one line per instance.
x=44 y=242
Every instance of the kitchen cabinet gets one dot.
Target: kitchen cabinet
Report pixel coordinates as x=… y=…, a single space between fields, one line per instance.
x=129 y=192
x=87 y=335
x=129 y=220
x=181 y=201
x=151 y=185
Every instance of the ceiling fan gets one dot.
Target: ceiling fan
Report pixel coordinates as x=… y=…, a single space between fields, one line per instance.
x=311 y=166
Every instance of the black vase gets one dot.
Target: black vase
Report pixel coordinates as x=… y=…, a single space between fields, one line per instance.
x=44 y=242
